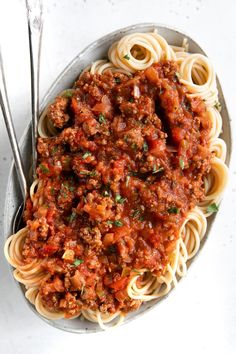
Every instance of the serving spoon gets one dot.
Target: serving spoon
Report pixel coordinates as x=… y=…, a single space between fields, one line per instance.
x=35 y=25
x=14 y=144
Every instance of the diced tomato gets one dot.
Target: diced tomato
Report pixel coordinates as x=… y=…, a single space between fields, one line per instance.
x=74 y=105
x=156 y=147
x=104 y=107
x=178 y=134
x=121 y=295
x=119 y=284
x=108 y=239
x=51 y=215
x=120 y=232
x=48 y=250
x=152 y=75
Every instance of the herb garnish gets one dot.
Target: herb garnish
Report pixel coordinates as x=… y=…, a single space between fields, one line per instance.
x=43 y=168
x=117 y=223
x=135 y=213
x=119 y=199
x=181 y=163
x=126 y=57
x=54 y=150
x=101 y=118
x=88 y=173
x=218 y=106
x=68 y=93
x=173 y=210
x=213 y=208
x=66 y=186
x=134 y=146
x=156 y=170
x=77 y=262
x=117 y=80
x=145 y=146
x=72 y=216
x=86 y=154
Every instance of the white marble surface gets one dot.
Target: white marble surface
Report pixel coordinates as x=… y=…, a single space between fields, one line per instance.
x=200 y=316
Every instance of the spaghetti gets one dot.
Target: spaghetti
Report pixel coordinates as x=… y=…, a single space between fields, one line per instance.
x=124 y=188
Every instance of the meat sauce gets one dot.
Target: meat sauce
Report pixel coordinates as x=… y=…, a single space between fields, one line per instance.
x=116 y=183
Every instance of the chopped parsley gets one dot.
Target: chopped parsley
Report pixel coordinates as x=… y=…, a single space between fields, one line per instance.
x=52 y=190
x=218 y=106
x=173 y=210
x=66 y=186
x=126 y=139
x=135 y=213
x=131 y=99
x=156 y=170
x=72 y=216
x=92 y=173
x=68 y=93
x=134 y=146
x=126 y=57
x=145 y=146
x=213 y=208
x=117 y=80
x=101 y=118
x=86 y=154
x=117 y=223
x=181 y=163
x=43 y=168
x=119 y=199
x=54 y=150
x=77 y=262
x=89 y=173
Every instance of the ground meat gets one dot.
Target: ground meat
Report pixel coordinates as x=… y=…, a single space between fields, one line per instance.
x=115 y=185
x=57 y=112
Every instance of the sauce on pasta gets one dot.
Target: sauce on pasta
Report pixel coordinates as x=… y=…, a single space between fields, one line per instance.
x=115 y=184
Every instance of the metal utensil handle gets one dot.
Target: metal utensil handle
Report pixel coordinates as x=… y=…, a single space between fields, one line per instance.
x=35 y=27
x=11 y=131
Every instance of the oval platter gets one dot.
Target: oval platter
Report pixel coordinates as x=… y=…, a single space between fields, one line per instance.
x=94 y=51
